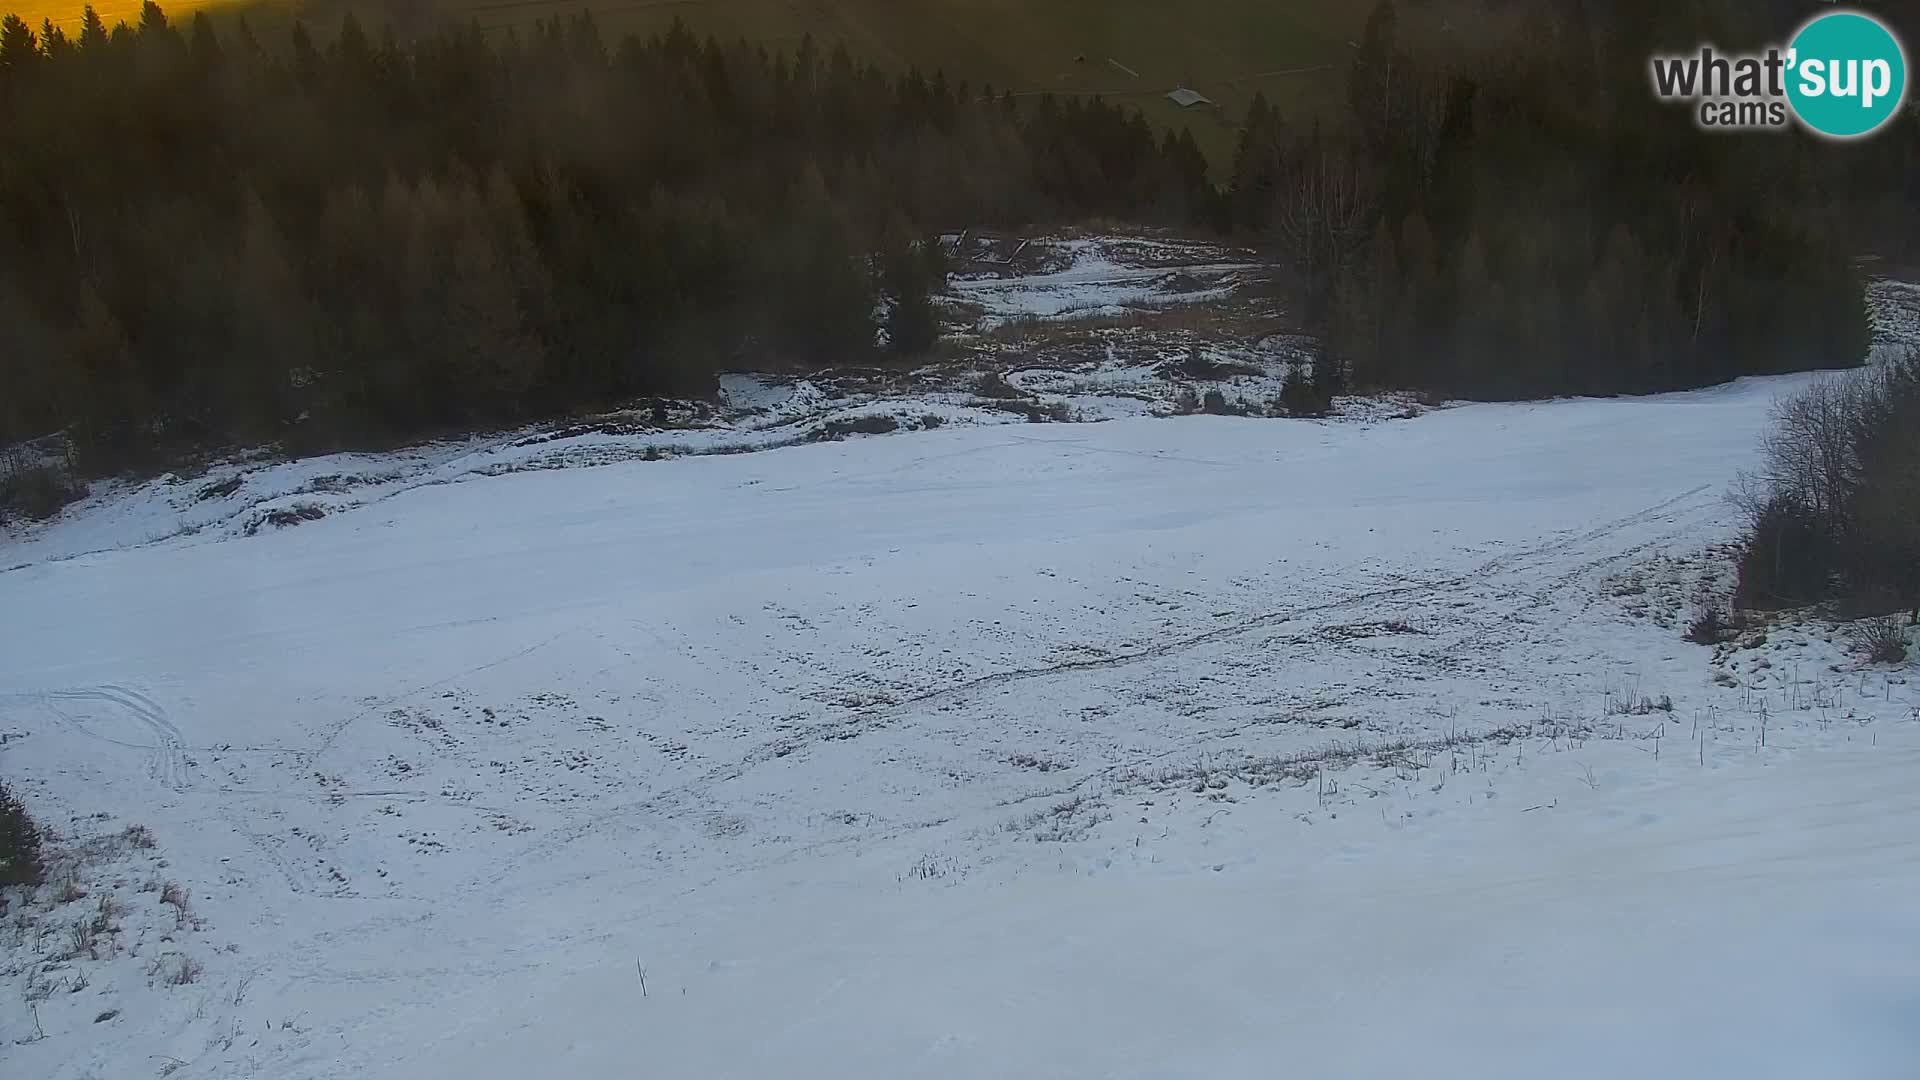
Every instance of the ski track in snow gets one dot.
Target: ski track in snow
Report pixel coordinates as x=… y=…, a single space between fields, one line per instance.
x=941 y=756
x=163 y=738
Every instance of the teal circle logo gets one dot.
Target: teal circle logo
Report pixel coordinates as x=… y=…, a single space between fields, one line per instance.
x=1847 y=75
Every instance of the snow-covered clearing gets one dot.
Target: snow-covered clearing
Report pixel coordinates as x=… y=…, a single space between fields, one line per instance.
x=1099 y=277
x=1204 y=746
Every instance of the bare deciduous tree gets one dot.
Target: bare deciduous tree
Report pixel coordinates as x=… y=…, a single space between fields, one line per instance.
x=1323 y=218
x=1843 y=458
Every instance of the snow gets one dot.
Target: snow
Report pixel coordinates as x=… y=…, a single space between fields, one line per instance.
x=1201 y=746
x=1618 y=942
x=1105 y=277
x=1895 y=309
x=243 y=495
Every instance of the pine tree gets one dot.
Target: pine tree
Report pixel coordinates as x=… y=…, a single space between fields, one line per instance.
x=532 y=280
x=20 y=859
x=1375 y=79
x=93 y=32
x=912 y=324
x=152 y=19
x=53 y=41
x=1477 y=316
x=1259 y=165
x=822 y=311
x=204 y=44
x=31 y=407
x=1369 y=317
x=163 y=52
x=273 y=340
x=493 y=358
x=19 y=47
x=352 y=51
x=243 y=33
x=306 y=58
x=107 y=391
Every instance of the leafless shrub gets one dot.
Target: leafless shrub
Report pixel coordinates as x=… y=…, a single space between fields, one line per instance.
x=106 y=917
x=37 y=491
x=1884 y=641
x=80 y=939
x=1066 y=821
x=995 y=386
x=932 y=868
x=1198 y=365
x=1836 y=507
x=1709 y=627
x=220 y=489
x=174 y=969
x=1809 y=451
x=1034 y=411
x=1638 y=706
x=178 y=898
x=858 y=425
x=68 y=888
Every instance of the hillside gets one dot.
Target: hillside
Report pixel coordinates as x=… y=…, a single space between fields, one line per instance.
x=1130 y=50
x=522 y=558
x=1152 y=747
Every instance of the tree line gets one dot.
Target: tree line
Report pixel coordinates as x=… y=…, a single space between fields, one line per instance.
x=1526 y=219
x=215 y=239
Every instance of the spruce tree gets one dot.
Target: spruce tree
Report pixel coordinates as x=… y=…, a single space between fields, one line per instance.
x=19 y=47
x=93 y=32
x=203 y=44
x=153 y=20
x=21 y=862
x=912 y=324
x=53 y=41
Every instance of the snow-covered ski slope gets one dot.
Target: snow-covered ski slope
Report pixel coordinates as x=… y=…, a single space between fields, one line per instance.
x=1195 y=747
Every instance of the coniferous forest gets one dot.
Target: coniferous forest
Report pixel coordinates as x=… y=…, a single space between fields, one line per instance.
x=336 y=237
